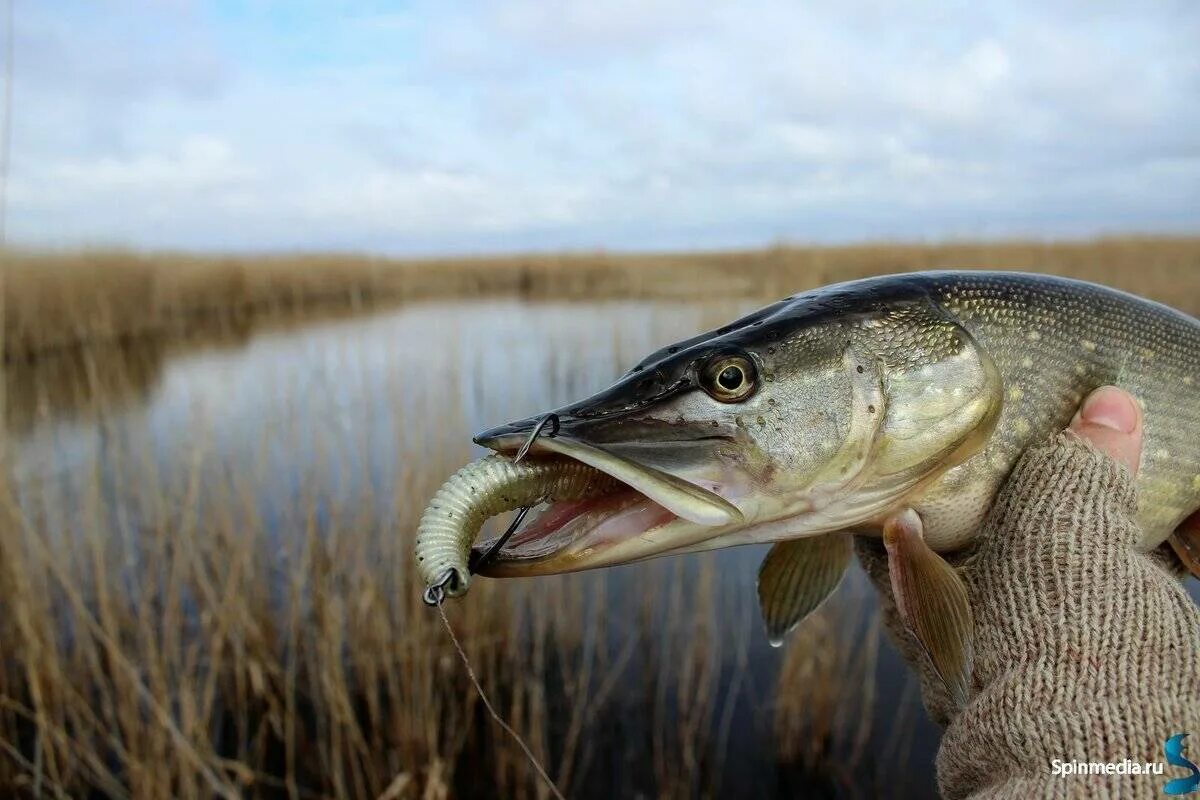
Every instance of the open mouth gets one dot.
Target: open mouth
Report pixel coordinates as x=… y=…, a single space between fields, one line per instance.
x=633 y=521
x=576 y=527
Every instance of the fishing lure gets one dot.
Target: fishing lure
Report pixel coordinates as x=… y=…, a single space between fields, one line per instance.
x=481 y=490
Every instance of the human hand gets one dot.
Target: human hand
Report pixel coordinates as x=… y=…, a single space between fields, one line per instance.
x=1084 y=648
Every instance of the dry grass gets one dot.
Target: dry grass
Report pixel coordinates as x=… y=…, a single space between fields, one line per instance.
x=230 y=627
x=54 y=301
x=172 y=642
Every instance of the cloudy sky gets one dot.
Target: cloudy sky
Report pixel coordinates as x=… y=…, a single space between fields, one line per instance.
x=451 y=127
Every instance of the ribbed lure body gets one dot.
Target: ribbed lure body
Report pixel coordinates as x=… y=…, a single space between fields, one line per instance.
x=483 y=489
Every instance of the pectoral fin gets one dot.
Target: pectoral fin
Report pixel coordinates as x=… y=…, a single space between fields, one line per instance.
x=1185 y=541
x=932 y=601
x=796 y=577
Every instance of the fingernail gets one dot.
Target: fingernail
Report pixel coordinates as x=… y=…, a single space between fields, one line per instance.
x=1112 y=408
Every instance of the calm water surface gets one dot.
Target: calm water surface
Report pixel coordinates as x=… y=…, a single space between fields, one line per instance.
x=375 y=410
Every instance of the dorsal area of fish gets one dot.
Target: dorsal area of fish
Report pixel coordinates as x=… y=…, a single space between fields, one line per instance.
x=1053 y=341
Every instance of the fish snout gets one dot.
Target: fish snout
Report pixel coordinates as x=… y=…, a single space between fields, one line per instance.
x=515 y=435
x=505 y=437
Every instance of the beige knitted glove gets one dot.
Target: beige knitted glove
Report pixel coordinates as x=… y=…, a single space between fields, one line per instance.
x=1085 y=650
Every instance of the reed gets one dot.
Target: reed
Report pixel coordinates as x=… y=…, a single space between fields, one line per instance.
x=225 y=625
x=246 y=622
x=59 y=300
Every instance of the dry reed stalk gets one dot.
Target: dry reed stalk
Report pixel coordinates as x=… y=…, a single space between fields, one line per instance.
x=58 y=300
x=247 y=622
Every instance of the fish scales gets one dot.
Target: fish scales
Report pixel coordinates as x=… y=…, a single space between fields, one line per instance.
x=1054 y=340
x=902 y=400
x=892 y=406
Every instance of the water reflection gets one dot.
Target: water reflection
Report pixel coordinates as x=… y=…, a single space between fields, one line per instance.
x=308 y=430
x=76 y=385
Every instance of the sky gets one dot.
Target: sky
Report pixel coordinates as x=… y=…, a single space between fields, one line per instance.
x=534 y=125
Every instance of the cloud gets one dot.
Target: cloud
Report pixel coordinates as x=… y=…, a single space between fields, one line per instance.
x=199 y=163
x=438 y=202
x=531 y=125
x=152 y=198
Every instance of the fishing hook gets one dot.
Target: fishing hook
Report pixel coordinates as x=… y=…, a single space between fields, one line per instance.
x=479 y=563
x=485 y=559
x=435 y=593
x=549 y=419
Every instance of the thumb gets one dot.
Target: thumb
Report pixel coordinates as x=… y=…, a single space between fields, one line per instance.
x=1111 y=419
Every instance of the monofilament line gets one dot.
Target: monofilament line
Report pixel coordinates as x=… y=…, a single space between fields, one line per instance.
x=537 y=765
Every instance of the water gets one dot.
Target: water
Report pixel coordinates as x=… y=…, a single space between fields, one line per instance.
x=360 y=418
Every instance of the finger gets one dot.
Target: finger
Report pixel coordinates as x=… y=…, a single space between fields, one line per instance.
x=1111 y=419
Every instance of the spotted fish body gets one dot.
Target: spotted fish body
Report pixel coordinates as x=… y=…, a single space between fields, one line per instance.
x=1031 y=348
x=892 y=406
x=859 y=400
x=1054 y=340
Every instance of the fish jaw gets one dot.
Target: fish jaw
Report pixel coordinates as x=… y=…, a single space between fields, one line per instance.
x=570 y=537
x=699 y=504
x=858 y=407
x=660 y=510
x=619 y=528
x=691 y=500
x=636 y=523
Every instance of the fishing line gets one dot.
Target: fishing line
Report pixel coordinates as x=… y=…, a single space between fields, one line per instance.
x=537 y=765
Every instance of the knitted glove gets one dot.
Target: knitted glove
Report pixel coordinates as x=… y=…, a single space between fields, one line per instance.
x=1085 y=650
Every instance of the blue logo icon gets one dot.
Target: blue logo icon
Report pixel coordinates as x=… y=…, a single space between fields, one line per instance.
x=1173 y=749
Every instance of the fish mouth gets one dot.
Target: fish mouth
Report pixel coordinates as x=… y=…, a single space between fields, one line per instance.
x=651 y=513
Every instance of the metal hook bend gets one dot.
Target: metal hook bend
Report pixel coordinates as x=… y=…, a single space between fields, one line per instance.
x=486 y=558
x=549 y=419
x=435 y=593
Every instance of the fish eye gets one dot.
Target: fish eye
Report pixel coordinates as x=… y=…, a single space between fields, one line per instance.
x=729 y=379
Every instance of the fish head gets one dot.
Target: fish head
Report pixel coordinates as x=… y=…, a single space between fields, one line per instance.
x=815 y=414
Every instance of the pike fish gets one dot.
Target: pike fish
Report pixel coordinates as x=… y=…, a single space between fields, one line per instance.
x=891 y=406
